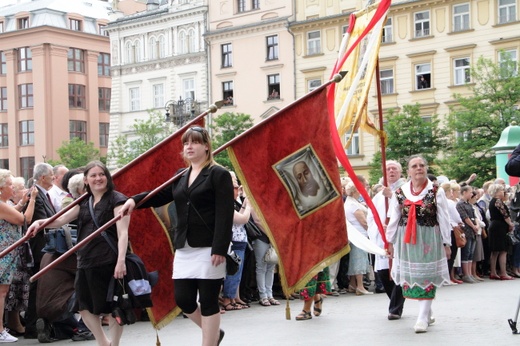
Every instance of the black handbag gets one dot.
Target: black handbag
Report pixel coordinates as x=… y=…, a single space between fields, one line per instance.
x=232 y=263
x=135 y=289
x=512 y=239
x=252 y=230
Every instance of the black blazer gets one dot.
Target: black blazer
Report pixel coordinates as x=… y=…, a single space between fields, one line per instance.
x=42 y=210
x=513 y=165
x=211 y=195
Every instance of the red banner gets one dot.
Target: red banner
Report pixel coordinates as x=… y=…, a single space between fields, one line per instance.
x=148 y=233
x=290 y=173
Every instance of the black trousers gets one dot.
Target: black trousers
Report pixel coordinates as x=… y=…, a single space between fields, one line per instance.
x=393 y=291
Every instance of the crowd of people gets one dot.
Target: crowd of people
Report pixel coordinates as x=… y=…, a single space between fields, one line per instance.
x=419 y=213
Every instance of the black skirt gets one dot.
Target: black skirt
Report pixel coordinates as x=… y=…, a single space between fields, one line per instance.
x=497 y=235
x=91 y=287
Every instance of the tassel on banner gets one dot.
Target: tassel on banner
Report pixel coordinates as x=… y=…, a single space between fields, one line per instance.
x=287 y=309
x=157 y=342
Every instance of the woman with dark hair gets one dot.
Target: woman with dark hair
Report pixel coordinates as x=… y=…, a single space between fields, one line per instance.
x=205 y=206
x=97 y=261
x=420 y=235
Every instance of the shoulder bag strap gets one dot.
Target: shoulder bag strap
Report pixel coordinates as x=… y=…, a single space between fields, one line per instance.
x=104 y=234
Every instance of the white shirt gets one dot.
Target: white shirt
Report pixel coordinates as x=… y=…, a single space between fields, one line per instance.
x=443 y=218
x=56 y=195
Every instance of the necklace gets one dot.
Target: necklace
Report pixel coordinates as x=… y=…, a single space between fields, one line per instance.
x=420 y=190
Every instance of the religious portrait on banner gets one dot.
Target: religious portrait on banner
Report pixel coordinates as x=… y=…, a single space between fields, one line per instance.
x=306 y=181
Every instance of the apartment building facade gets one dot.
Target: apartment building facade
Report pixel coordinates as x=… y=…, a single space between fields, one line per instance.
x=54 y=65
x=427 y=51
x=159 y=63
x=251 y=58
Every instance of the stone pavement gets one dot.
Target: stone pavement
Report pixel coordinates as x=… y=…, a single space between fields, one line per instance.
x=467 y=314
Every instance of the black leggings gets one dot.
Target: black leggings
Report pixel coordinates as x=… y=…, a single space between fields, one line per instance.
x=208 y=290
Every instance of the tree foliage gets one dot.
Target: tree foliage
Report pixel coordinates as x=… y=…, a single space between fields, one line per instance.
x=76 y=153
x=146 y=134
x=226 y=127
x=478 y=120
x=408 y=133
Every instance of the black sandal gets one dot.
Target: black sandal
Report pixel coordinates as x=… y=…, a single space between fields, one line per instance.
x=317 y=311
x=233 y=307
x=304 y=315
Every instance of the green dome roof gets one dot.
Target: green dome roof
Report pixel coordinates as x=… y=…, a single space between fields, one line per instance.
x=509 y=138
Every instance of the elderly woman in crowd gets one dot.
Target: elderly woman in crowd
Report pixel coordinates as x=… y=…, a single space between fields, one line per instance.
x=500 y=225
x=10 y=222
x=455 y=220
x=419 y=233
x=356 y=214
x=478 y=254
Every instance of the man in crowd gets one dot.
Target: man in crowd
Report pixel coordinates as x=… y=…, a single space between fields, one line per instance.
x=382 y=264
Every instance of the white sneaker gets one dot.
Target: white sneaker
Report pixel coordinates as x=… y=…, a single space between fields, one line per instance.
x=421 y=327
x=6 y=337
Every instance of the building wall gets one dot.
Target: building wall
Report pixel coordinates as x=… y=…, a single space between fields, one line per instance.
x=177 y=65
x=441 y=47
x=247 y=31
x=49 y=36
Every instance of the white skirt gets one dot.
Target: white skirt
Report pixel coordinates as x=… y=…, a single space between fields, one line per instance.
x=195 y=263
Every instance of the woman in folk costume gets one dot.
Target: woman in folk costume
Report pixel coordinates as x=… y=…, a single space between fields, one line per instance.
x=419 y=233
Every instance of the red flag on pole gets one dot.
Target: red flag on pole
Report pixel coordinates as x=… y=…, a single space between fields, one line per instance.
x=288 y=168
x=148 y=234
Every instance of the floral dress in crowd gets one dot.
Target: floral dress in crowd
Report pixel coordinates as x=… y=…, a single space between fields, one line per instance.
x=319 y=284
x=420 y=264
x=9 y=234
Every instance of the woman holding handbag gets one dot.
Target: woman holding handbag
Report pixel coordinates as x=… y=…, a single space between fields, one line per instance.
x=205 y=206
x=97 y=262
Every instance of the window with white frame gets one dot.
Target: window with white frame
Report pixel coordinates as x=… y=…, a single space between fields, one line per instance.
x=26 y=128
x=3 y=98
x=78 y=129
x=137 y=50
x=158 y=95
x=192 y=41
x=387 y=81
x=255 y=4
x=227 y=93
x=313 y=84
x=104 y=95
x=273 y=86
x=162 y=47
x=183 y=42
x=129 y=58
x=461 y=71
x=508 y=62
x=104 y=130
x=241 y=6
x=387 y=31
x=188 y=86
x=135 y=99
x=506 y=11
x=353 y=148
x=272 y=47
x=4 y=135
x=153 y=48
x=461 y=17
x=75 y=24
x=3 y=63
x=227 y=55
x=313 y=42
x=422 y=23
x=1 y=27
x=423 y=74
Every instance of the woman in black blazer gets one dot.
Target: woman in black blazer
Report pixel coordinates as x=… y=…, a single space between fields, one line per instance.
x=204 y=201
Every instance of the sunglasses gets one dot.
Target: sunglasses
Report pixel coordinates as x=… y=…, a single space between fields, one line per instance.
x=197 y=129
